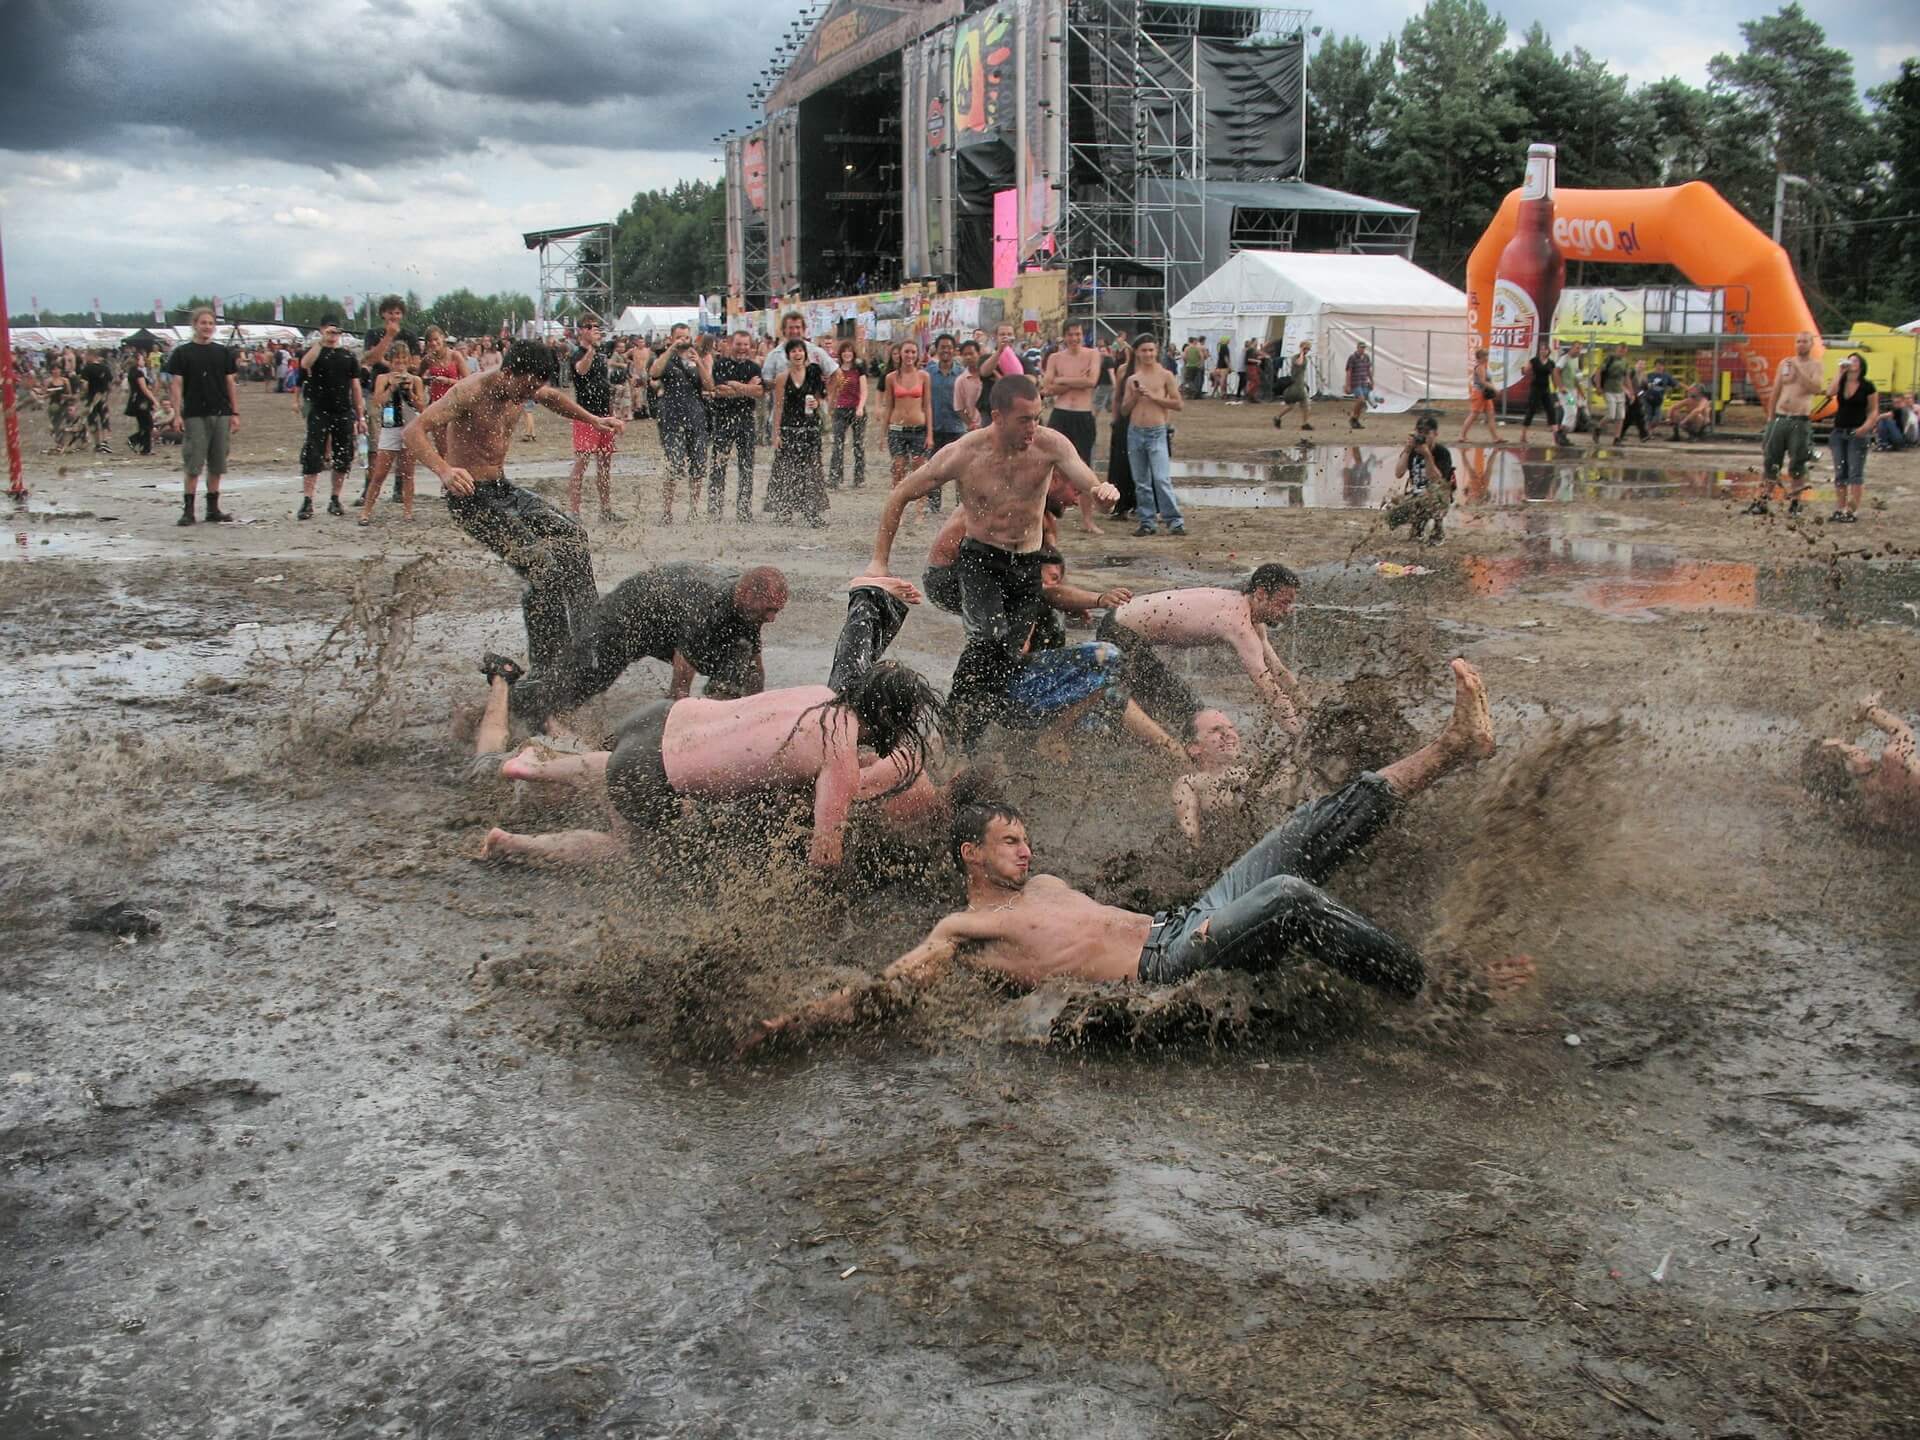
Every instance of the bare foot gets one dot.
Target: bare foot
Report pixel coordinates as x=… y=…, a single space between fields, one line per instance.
x=1868 y=705
x=903 y=590
x=1505 y=978
x=1471 y=728
x=498 y=844
x=527 y=765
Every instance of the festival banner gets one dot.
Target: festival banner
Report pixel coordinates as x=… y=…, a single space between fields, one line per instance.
x=913 y=161
x=1601 y=317
x=159 y=312
x=1042 y=24
x=736 y=226
x=279 y=309
x=219 y=308
x=96 y=309
x=983 y=78
x=783 y=202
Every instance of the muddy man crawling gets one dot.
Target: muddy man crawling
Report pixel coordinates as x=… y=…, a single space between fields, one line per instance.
x=1033 y=928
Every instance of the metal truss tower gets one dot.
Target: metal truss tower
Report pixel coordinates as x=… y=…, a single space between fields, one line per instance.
x=576 y=270
x=1136 y=119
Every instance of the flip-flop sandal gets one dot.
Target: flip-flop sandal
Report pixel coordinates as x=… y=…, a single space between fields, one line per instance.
x=500 y=667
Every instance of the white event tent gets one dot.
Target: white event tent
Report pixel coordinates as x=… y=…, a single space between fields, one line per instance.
x=656 y=319
x=1414 y=322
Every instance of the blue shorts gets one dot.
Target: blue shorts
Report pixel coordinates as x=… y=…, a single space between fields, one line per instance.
x=1057 y=680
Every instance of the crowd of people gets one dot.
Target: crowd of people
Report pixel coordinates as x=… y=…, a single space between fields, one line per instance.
x=878 y=737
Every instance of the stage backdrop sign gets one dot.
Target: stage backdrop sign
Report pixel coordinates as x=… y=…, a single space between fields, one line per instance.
x=1601 y=317
x=852 y=35
x=1040 y=35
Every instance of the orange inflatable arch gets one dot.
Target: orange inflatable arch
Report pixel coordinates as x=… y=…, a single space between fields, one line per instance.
x=1690 y=227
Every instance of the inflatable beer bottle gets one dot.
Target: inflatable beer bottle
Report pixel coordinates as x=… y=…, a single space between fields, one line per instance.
x=1527 y=280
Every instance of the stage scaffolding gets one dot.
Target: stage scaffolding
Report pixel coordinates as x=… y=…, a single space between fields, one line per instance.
x=576 y=270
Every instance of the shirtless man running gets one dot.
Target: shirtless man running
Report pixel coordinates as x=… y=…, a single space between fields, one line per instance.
x=1796 y=386
x=1207 y=615
x=1034 y=928
x=546 y=548
x=1887 y=788
x=1002 y=473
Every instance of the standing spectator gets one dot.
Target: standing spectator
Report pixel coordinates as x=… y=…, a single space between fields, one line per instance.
x=1790 y=424
x=1634 y=390
x=1359 y=382
x=793 y=326
x=1119 y=466
x=206 y=397
x=98 y=378
x=848 y=391
x=1856 y=412
x=374 y=356
x=1573 y=392
x=593 y=393
x=1899 y=428
x=1149 y=401
x=1540 y=385
x=1654 y=390
x=398 y=396
x=684 y=376
x=967 y=386
x=1299 y=388
x=1250 y=372
x=944 y=415
x=909 y=419
x=140 y=405
x=1071 y=375
x=737 y=390
x=993 y=366
x=1610 y=380
x=1480 y=397
x=442 y=366
x=1222 y=364
x=798 y=484
x=1193 y=366
x=336 y=414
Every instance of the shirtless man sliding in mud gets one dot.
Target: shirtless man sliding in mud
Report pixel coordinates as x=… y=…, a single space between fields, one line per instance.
x=1207 y=615
x=810 y=735
x=1887 y=789
x=1002 y=472
x=1033 y=928
x=1222 y=781
x=546 y=548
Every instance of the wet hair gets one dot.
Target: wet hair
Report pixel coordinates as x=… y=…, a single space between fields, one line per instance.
x=1050 y=555
x=764 y=581
x=1009 y=388
x=899 y=713
x=393 y=302
x=1824 y=772
x=970 y=823
x=1270 y=577
x=528 y=358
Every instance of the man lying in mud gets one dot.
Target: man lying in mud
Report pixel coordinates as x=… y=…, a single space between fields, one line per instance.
x=810 y=736
x=546 y=548
x=697 y=624
x=1220 y=780
x=1002 y=472
x=1886 y=788
x=1207 y=615
x=1034 y=928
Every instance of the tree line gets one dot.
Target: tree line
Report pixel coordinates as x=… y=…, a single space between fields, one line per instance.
x=1440 y=118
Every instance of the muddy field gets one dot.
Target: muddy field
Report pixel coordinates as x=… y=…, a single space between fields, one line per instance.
x=350 y=1134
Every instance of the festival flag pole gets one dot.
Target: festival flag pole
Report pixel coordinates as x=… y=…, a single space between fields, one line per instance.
x=16 y=486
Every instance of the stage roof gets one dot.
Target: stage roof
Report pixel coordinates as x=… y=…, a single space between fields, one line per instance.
x=1295 y=195
x=536 y=238
x=851 y=35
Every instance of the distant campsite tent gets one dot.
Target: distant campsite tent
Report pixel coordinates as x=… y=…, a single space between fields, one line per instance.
x=1414 y=322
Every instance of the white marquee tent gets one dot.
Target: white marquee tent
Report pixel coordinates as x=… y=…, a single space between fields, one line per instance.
x=656 y=319
x=1414 y=322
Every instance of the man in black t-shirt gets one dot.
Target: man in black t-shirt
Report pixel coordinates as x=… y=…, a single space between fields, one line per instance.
x=737 y=389
x=206 y=397
x=698 y=625
x=373 y=352
x=593 y=392
x=1427 y=467
x=336 y=415
x=99 y=377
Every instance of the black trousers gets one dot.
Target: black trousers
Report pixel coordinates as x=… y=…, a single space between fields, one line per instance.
x=1078 y=427
x=732 y=436
x=999 y=600
x=1269 y=902
x=548 y=550
x=683 y=442
x=873 y=618
x=327 y=428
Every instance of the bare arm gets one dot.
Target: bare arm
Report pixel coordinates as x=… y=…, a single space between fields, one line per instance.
x=683 y=673
x=233 y=402
x=418 y=438
x=1253 y=650
x=894 y=988
x=560 y=404
x=1072 y=597
x=306 y=360
x=1186 y=808
x=377 y=351
x=1288 y=680
x=833 y=794
x=918 y=483
x=1086 y=485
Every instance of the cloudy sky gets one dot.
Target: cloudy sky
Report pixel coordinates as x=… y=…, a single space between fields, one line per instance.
x=248 y=148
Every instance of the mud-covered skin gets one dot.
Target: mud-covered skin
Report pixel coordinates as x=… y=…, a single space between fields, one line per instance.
x=436 y=1200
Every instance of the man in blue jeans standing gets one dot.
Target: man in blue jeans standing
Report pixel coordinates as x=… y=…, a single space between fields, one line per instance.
x=1148 y=403
x=948 y=423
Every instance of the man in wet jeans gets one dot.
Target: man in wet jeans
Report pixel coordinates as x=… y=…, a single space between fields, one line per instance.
x=948 y=423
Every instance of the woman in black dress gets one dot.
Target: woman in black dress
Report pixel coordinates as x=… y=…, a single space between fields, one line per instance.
x=1119 y=467
x=799 y=482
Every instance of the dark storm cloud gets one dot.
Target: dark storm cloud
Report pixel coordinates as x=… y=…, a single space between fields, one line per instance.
x=374 y=84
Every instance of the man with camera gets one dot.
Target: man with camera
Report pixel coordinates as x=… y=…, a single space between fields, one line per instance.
x=1427 y=467
x=685 y=375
